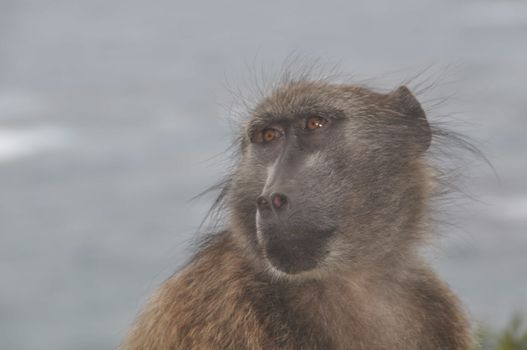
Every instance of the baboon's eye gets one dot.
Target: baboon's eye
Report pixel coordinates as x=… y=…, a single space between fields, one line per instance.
x=313 y=123
x=267 y=135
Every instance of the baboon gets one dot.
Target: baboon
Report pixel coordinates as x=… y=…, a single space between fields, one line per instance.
x=326 y=209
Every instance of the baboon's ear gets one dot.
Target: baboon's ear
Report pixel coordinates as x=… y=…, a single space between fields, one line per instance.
x=407 y=104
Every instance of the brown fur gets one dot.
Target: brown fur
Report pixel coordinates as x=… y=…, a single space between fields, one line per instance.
x=219 y=301
x=387 y=298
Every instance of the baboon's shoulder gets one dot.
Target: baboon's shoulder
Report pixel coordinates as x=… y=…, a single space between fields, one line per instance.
x=219 y=301
x=439 y=311
x=200 y=306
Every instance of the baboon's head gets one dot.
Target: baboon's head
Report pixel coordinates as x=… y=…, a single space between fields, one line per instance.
x=330 y=176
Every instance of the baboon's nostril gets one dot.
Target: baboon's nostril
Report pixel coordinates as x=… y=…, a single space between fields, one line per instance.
x=278 y=200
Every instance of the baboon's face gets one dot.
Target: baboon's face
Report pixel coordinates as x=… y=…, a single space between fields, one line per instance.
x=328 y=175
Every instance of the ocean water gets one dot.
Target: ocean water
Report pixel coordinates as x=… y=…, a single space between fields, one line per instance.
x=114 y=114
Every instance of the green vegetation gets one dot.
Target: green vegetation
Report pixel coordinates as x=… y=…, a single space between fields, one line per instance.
x=514 y=337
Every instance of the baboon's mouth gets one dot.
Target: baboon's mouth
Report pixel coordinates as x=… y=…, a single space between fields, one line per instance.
x=296 y=253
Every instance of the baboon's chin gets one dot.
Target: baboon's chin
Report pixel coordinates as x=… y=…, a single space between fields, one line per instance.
x=293 y=255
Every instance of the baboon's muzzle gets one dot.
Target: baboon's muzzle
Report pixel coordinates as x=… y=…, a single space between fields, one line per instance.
x=289 y=241
x=288 y=223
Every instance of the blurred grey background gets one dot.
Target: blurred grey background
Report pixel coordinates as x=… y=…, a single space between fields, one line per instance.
x=114 y=114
